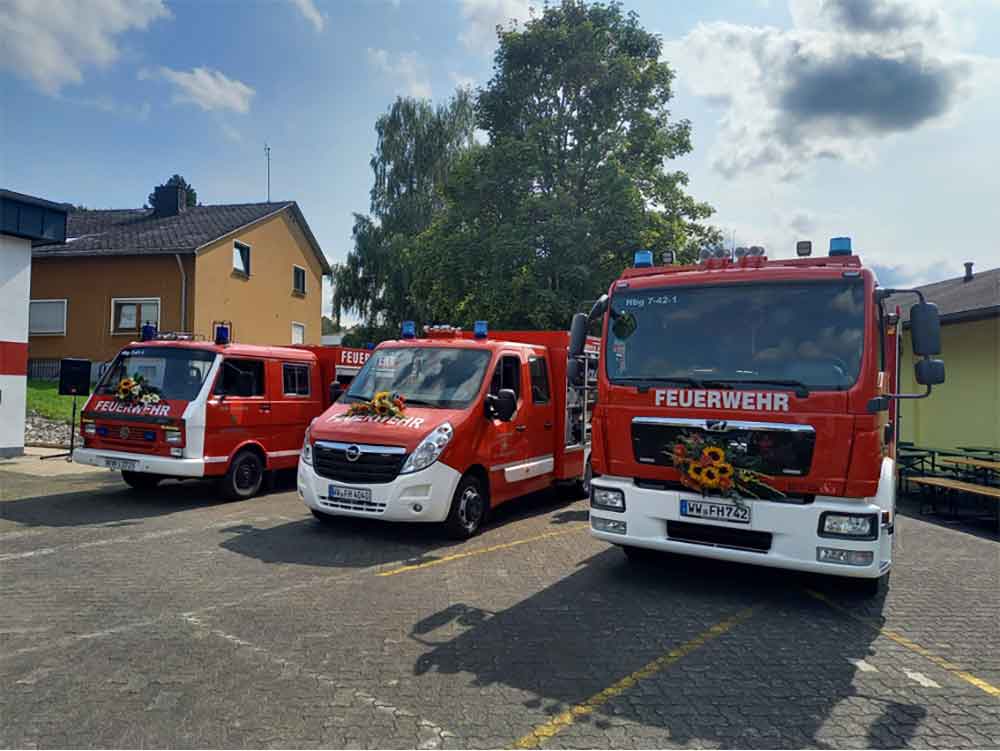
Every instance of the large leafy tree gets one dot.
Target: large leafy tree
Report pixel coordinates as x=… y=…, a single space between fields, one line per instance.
x=573 y=179
x=192 y=194
x=417 y=145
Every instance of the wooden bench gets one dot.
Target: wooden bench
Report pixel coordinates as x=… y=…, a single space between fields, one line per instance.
x=984 y=491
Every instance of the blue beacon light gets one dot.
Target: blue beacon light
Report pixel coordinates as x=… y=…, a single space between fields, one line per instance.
x=643 y=259
x=409 y=330
x=840 y=246
x=479 y=329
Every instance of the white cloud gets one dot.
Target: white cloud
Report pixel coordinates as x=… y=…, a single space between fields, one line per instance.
x=209 y=89
x=461 y=81
x=482 y=18
x=50 y=43
x=310 y=12
x=848 y=74
x=407 y=68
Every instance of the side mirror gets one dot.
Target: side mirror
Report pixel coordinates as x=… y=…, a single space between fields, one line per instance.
x=574 y=372
x=928 y=372
x=505 y=405
x=599 y=307
x=244 y=384
x=925 y=329
x=578 y=334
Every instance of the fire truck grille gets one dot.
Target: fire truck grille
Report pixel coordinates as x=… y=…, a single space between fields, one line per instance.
x=371 y=466
x=719 y=537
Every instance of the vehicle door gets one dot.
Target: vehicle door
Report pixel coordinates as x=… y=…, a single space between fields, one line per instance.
x=508 y=441
x=239 y=409
x=294 y=403
x=539 y=418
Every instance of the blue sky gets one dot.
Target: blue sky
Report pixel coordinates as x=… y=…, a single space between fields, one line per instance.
x=811 y=118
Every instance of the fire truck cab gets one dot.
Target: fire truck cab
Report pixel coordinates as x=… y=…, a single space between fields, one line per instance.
x=747 y=410
x=485 y=417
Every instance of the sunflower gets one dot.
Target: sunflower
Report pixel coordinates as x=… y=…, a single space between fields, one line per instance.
x=695 y=471
x=710 y=477
x=126 y=384
x=714 y=454
x=725 y=470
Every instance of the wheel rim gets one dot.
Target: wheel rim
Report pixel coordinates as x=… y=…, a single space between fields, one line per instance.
x=470 y=508
x=247 y=474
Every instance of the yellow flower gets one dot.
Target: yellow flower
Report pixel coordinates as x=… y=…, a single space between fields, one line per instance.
x=724 y=469
x=695 y=471
x=714 y=454
x=710 y=477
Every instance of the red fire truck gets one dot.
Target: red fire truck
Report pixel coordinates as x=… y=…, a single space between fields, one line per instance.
x=173 y=406
x=746 y=410
x=444 y=427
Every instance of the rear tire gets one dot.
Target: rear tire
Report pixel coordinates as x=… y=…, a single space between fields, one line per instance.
x=244 y=476
x=469 y=507
x=140 y=480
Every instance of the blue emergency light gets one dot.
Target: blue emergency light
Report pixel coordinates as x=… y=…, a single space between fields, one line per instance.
x=479 y=329
x=148 y=332
x=643 y=259
x=409 y=329
x=840 y=246
x=222 y=335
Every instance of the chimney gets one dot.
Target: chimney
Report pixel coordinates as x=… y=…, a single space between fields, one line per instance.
x=968 y=272
x=171 y=200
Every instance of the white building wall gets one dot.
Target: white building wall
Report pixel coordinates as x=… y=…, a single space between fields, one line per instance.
x=15 y=290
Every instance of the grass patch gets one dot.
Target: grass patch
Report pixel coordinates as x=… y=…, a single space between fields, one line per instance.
x=44 y=399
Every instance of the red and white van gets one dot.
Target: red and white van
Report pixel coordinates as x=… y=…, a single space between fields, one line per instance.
x=181 y=408
x=485 y=418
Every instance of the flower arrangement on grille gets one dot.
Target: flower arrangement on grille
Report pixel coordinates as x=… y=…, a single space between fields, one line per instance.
x=704 y=467
x=383 y=404
x=136 y=390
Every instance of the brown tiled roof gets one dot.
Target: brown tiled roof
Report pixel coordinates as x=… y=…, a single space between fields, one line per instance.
x=956 y=298
x=139 y=232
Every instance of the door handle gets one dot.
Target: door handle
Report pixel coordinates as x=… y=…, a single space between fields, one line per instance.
x=265 y=407
x=521 y=428
x=548 y=424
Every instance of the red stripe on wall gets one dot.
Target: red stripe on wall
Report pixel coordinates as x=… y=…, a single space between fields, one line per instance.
x=14 y=358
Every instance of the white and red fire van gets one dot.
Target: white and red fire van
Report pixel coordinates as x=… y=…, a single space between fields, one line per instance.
x=184 y=408
x=485 y=418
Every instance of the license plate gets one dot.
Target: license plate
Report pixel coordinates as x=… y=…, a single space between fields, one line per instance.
x=350 y=494
x=125 y=464
x=723 y=512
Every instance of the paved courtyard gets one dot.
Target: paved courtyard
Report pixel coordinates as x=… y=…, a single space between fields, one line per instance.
x=173 y=619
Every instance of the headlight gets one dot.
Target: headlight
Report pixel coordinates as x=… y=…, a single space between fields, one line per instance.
x=607 y=499
x=173 y=437
x=429 y=449
x=307 y=449
x=89 y=427
x=853 y=526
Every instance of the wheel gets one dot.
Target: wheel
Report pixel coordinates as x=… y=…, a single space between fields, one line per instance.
x=637 y=555
x=244 y=476
x=469 y=506
x=871 y=587
x=140 y=480
x=323 y=518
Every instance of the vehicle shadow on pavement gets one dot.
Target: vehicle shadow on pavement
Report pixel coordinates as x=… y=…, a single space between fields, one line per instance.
x=778 y=679
x=976 y=517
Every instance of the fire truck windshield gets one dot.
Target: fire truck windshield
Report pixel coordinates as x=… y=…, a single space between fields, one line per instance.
x=447 y=377
x=173 y=373
x=777 y=335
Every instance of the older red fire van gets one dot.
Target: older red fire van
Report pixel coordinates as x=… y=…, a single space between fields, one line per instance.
x=444 y=427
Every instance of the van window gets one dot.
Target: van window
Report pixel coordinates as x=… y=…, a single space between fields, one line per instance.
x=539 y=380
x=229 y=380
x=507 y=375
x=296 y=378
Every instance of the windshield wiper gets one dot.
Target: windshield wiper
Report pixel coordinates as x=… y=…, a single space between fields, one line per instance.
x=420 y=402
x=801 y=390
x=640 y=381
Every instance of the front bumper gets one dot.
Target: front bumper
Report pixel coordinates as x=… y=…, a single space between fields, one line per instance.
x=793 y=529
x=153 y=465
x=430 y=489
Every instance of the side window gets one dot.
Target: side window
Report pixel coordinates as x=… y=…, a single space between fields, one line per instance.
x=507 y=375
x=539 y=380
x=296 y=378
x=240 y=378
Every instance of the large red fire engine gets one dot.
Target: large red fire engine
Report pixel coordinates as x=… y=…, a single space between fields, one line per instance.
x=746 y=410
x=444 y=427
x=173 y=406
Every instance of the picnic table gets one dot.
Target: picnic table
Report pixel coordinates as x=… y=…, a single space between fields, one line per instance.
x=973 y=462
x=945 y=483
x=981 y=450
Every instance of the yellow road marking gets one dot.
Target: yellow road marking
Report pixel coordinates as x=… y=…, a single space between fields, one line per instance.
x=481 y=551
x=911 y=645
x=535 y=738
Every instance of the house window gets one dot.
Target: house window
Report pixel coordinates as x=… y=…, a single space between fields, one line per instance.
x=298 y=333
x=296 y=378
x=539 y=380
x=129 y=314
x=241 y=258
x=298 y=280
x=47 y=317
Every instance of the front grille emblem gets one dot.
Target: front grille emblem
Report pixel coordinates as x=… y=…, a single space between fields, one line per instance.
x=123 y=434
x=352 y=452
x=716 y=426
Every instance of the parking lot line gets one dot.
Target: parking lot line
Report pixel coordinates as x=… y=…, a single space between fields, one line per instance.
x=480 y=551
x=911 y=645
x=539 y=734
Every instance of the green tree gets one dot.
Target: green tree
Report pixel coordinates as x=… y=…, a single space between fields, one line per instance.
x=329 y=326
x=573 y=180
x=416 y=147
x=192 y=194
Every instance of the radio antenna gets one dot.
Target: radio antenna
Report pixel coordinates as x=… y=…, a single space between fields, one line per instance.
x=267 y=157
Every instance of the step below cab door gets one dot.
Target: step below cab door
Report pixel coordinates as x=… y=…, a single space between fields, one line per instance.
x=239 y=410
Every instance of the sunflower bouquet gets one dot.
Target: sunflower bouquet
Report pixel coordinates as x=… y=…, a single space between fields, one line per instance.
x=136 y=390
x=383 y=404
x=705 y=468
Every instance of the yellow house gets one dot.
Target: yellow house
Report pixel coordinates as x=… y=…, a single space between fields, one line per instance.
x=257 y=266
x=965 y=409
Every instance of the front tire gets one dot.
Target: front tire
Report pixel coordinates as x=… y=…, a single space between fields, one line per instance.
x=871 y=588
x=324 y=519
x=244 y=476
x=469 y=507
x=638 y=555
x=140 y=480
